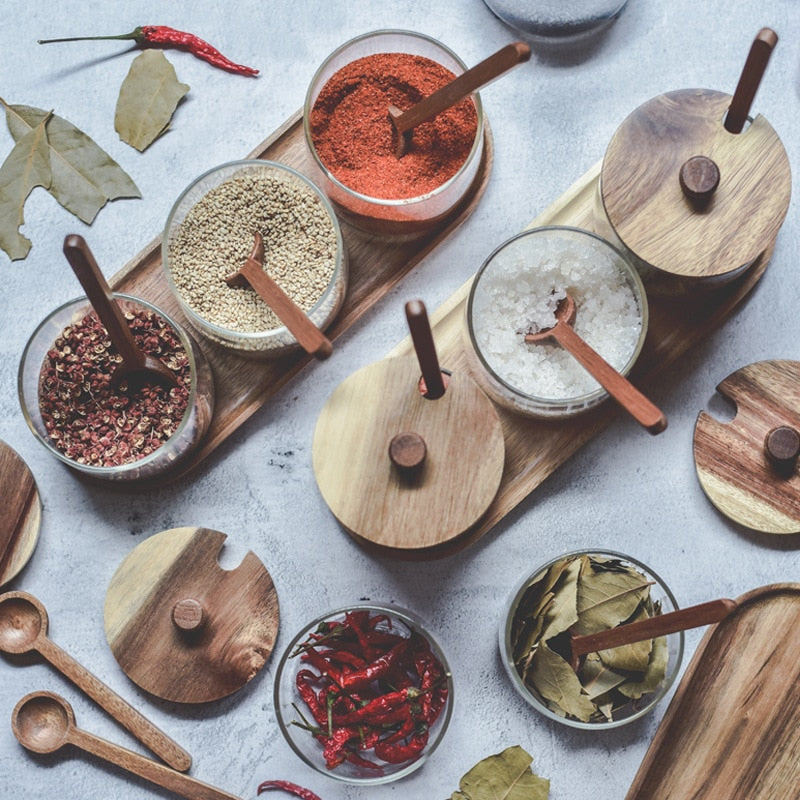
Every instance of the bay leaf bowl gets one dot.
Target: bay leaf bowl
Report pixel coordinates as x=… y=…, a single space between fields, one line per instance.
x=582 y=592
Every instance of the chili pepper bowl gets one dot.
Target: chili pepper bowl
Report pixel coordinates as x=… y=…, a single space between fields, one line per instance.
x=210 y=232
x=418 y=661
x=369 y=210
x=514 y=638
x=189 y=430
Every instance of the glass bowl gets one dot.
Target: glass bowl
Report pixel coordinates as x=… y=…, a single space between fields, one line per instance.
x=210 y=232
x=374 y=211
x=295 y=715
x=518 y=287
x=186 y=436
x=519 y=630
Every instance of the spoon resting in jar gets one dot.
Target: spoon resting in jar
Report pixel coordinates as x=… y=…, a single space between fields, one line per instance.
x=616 y=384
x=44 y=722
x=136 y=364
x=252 y=272
x=453 y=92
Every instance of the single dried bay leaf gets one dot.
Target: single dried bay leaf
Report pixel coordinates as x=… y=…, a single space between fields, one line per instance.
x=26 y=167
x=504 y=776
x=653 y=676
x=147 y=99
x=557 y=683
x=84 y=176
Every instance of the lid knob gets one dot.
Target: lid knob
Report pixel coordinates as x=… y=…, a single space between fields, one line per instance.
x=188 y=615
x=407 y=451
x=782 y=447
x=699 y=178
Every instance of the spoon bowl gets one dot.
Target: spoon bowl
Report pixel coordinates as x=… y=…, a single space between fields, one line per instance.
x=23 y=621
x=42 y=721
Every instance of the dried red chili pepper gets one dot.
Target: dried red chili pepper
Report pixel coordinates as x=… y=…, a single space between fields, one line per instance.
x=394 y=753
x=374 y=670
x=163 y=36
x=288 y=786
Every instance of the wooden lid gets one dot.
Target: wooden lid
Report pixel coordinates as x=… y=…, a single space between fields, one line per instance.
x=748 y=467
x=21 y=518
x=411 y=509
x=724 y=228
x=180 y=626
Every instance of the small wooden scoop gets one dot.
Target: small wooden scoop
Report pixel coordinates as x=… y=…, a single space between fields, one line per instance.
x=308 y=335
x=617 y=385
x=451 y=93
x=681 y=620
x=136 y=364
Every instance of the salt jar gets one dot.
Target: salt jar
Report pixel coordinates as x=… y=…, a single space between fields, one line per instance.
x=517 y=290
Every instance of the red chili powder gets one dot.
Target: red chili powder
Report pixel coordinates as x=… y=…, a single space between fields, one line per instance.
x=355 y=139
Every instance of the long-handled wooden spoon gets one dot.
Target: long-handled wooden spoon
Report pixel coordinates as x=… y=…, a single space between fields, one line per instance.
x=749 y=80
x=308 y=335
x=681 y=620
x=23 y=628
x=617 y=385
x=136 y=364
x=451 y=93
x=43 y=722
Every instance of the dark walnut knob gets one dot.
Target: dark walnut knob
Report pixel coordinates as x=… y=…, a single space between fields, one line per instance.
x=699 y=178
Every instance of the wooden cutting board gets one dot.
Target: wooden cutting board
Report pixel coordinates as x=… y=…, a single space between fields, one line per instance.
x=732 y=730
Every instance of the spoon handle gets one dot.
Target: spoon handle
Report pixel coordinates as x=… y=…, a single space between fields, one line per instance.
x=749 y=80
x=152 y=771
x=124 y=713
x=643 y=410
x=422 y=338
x=660 y=625
x=469 y=81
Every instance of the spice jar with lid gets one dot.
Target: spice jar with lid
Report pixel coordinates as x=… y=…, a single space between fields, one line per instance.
x=113 y=431
x=352 y=140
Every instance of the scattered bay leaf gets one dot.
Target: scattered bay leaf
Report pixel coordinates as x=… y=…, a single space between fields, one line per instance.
x=84 y=176
x=504 y=776
x=147 y=99
x=27 y=166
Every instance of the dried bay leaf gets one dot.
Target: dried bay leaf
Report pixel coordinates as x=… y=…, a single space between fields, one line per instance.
x=84 y=176
x=633 y=657
x=504 y=776
x=147 y=99
x=653 y=676
x=27 y=166
x=557 y=683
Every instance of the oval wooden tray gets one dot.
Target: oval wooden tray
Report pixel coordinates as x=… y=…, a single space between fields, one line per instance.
x=732 y=729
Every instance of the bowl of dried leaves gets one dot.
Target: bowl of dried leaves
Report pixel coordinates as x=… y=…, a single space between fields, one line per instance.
x=582 y=593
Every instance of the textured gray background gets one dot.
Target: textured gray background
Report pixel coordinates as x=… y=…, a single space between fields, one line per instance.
x=551 y=120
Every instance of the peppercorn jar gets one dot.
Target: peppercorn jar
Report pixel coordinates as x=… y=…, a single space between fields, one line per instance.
x=109 y=430
x=211 y=232
x=354 y=146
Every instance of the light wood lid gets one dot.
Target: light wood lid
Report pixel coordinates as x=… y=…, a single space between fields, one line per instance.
x=407 y=513
x=180 y=626
x=651 y=212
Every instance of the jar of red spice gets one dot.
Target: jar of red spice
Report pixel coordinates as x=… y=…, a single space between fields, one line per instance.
x=352 y=140
x=104 y=429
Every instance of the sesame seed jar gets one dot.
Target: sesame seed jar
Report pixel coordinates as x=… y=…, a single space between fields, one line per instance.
x=210 y=233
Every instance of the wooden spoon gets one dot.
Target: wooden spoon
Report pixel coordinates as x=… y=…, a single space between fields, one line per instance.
x=136 y=364
x=451 y=93
x=681 y=620
x=308 y=335
x=23 y=628
x=749 y=80
x=617 y=385
x=43 y=722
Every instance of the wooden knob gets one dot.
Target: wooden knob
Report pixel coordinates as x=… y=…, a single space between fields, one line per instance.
x=782 y=447
x=699 y=178
x=407 y=451
x=188 y=615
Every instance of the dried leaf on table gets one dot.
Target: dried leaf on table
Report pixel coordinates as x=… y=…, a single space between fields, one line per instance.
x=84 y=176
x=504 y=776
x=27 y=166
x=147 y=99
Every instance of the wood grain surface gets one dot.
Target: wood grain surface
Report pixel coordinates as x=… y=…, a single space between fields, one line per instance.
x=21 y=518
x=730 y=458
x=205 y=663
x=732 y=729
x=642 y=194
x=410 y=515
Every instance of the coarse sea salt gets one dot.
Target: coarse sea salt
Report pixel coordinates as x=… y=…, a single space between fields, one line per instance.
x=518 y=292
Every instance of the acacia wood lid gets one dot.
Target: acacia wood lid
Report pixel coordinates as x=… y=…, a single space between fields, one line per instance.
x=409 y=508
x=748 y=467
x=183 y=628
x=724 y=227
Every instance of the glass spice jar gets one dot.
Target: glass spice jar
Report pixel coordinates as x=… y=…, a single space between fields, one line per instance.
x=132 y=434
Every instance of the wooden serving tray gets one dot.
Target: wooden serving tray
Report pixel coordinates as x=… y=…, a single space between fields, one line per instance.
x=535 y=448
x=732 y=729
x=243 y=385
